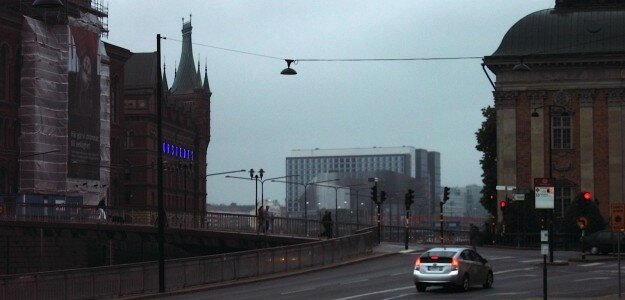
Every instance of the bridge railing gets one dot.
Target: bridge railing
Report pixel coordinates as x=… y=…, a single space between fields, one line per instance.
x=140 y=278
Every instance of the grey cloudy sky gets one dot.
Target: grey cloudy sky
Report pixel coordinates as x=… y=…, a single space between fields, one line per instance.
x=259 y=116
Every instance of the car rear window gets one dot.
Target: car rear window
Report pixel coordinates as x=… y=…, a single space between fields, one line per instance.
x=437 y=256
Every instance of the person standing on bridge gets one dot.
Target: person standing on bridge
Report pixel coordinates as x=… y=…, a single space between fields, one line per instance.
x=101 y=212
x=260 y=220
x=268 y=219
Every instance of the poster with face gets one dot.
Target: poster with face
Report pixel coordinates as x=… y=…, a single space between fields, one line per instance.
x=84 y=105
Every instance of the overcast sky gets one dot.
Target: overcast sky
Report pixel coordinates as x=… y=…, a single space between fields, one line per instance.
x=259 y=116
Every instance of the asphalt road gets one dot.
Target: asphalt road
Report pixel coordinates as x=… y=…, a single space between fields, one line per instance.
x=518 y=275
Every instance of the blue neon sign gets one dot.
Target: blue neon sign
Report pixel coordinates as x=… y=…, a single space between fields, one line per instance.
x=176 y=151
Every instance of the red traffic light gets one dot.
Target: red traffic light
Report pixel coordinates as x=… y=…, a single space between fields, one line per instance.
x=503 y=204
x=587 y=196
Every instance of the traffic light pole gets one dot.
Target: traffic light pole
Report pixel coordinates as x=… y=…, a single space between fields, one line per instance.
x=407 y=228
x=441 y=221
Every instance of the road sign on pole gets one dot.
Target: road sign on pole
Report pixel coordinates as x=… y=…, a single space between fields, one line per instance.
x=617 y=216
x=544 y=193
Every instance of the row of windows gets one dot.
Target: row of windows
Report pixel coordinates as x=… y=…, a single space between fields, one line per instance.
x=335 y=160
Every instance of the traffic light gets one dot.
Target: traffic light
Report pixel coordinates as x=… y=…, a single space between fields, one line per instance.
x=382 y=196
x=374 y=194
x=503 y=204
x=409 y=199
x=585 y=198
x=445 y=194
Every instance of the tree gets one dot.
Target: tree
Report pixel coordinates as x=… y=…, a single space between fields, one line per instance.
x=581 y=207
x=487 y=144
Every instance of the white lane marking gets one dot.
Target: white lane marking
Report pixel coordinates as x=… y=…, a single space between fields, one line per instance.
x=507 y=294
x=355 y=281
x=498 y=258
x=377 y=293
x=591 y=264
x=408 y=251
x=297 y=291
x=511 y=270
x=591 y=278
x=530 y=260
x=397 y=297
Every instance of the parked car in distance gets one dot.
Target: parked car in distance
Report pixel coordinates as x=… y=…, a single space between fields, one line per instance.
x=451 y=266
x=603 y=242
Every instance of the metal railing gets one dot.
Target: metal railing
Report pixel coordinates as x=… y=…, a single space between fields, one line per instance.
x=140 y=278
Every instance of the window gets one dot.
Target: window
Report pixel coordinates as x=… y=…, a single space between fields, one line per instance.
x=561 y=132
x=4 y=58
x=563 y=198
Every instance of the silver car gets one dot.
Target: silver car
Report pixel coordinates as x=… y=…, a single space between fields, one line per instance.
x=452 y=266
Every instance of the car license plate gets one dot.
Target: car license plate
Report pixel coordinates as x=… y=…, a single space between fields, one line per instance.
x=435 y=268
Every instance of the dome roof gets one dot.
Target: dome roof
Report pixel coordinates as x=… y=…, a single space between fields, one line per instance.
x=566 y=31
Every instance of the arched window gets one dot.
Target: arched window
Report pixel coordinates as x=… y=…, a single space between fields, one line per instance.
x=4 y=61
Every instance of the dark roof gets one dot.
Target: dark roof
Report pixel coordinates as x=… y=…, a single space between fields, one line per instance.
x=566 y=31
x=186 y=79
x=140 y=70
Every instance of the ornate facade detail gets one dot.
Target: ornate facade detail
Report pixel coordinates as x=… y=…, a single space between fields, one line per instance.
x=562 y=98
x=615 y=97
x=505 y=99
x=586 y=98
x=536 y=98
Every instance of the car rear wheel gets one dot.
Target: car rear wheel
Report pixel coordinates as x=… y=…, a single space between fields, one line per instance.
x=465 y=283
x=489 y=281
x=421 y=287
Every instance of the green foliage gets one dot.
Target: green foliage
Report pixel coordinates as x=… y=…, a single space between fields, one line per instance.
x=522 y=216
x=578 y=208
x=487 y=144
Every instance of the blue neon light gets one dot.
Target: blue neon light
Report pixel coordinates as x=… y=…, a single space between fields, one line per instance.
x=176 y=151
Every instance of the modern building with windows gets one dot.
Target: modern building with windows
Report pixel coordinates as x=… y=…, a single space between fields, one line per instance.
x=397 y=169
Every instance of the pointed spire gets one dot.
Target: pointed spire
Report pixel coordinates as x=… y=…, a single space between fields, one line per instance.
x=165 y=84
x=199 y=75
x=186 y=80
x=205 y=85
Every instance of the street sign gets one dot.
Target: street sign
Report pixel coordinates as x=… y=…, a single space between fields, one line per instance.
x=582 y=222
x=617 y=216
x=544 y=193
x=544 y=236
x=505 y=187
x=518 y=197
x=544 y=249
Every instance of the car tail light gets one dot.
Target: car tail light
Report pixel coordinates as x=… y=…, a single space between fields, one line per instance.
x=454 y=264
x=417 y=263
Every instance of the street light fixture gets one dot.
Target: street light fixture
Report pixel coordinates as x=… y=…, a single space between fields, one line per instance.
x=262 y=184
x=288 y=70
x=535 y=114
x=305 y=185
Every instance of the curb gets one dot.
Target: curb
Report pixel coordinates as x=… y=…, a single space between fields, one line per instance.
x=236 y=282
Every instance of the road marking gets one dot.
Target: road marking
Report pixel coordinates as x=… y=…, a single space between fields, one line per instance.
x=397 y=274
x=397 y=297
x=501 y=257
x=297 y=291
x=531 y=260
x=355 y=281
x=591 y=278
x=511 y=270
x=377 y=293
x=507 y=294
x=591 y=264
x=408 y=251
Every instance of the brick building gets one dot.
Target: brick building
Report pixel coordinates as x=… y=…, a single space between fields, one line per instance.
x=559 y=99
x=78 y=116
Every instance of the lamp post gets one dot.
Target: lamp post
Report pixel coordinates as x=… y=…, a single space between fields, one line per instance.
x=336 y=202
x=254 y=176
x=262 y=184
x=305 y=185
x=159 y=168
x=550 y=160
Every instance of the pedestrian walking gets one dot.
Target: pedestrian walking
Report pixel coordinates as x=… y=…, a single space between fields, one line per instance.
x=260 y=220
x=101 y=210
x=268 y=219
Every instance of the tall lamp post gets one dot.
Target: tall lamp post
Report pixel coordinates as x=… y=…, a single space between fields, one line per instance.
x=336 y=202
x=305 y=185
x=262 y=184
x=535 y=114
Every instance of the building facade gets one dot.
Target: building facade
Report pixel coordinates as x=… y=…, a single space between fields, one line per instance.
x=397 y=170
x=78 y=116
x=559 y=98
